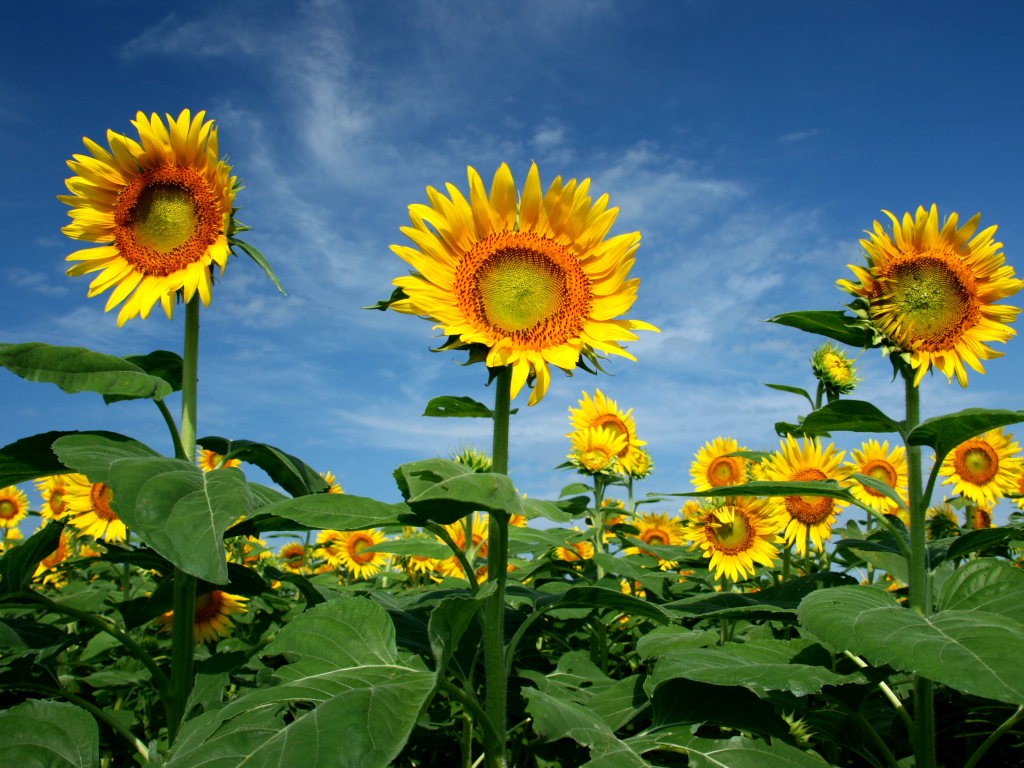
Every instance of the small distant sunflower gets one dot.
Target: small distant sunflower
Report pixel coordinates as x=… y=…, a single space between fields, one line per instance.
x=55 y=558
x=942 y=522
x=809 y=517
x=985 y=468
x=476 y=460
x=637 y=464
x=333 y=486
x=213 y=615
x=713 y=467
x=160 y=210
x=13 y=506
x=53 y=489
x=602 y=411
x=90 y=511
x=294 y=557
x=658 y=529
x=929 y=293
x=978 y=518
x=575 y=551
x=736 y=535
x=595 y=450
x=348 y=549
x=10 y=537
x=875 y=460
x=834 y=369
x=474 y=547
x=531 y=280
x=211 y=460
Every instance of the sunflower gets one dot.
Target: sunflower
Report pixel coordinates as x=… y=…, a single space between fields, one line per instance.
x=46 y=566
x=928 y=294
x=53 y=489
x=595 y=450
x=90 y=511
x=942 y=522
x=659 y=529
x=160 y=210
x=531 y=281
x=333 y=486
x=213 y=615
x=834 y=369
x=475 y=459
x=13 y=506
x=294 y=557
x=602 y=411
x=714 y=467
x=875 y=460
x=575 y=551
x=737 y=535
x=10 y=537
x=211 y=460
x=347 y=549
x=808 y=518
x=978 y=518
x=984 y=468
x=474 y=546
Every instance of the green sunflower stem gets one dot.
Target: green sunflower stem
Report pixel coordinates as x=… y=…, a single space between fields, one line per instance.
x=496 y=690
x=920 y=579
x=599 y=485
x=184 y=605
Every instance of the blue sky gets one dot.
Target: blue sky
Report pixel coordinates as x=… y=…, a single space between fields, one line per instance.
x=750 y=142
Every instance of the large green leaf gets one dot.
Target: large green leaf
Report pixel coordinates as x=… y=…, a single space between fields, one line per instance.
x=944 y=433
x=963 y=649
x=76 y=369
x=18 y=564
x=443 y=491
x=448 y=622
x=49 y=734
x=607 y=599
x=986 y=584
x=835 y=324
x=828 y=488
x=343 y=699
x=848 y=416
x=764 y=665
x=737 y=752
x=33 y=457
x=465 y=407
x=162 y=364
x=290 y=472
x=337 y=511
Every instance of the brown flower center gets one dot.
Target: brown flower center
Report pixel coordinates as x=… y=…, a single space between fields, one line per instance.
x=725 y=470
x=102 y=496
x=882 y=471
x=730 y=534
x=8 y=509
x=166 y=219
x=809 y=510
x=976 y=462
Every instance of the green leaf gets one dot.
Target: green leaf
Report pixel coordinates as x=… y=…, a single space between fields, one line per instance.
x=463 y=407
x=962 y=649
x=18 y=564
x=49 y=733
x=76 y=369
x=834 y=324
x=737 y=752
x=561 y=511
x=848 y=416
x=290 y=472
x=343 y=699
x=986 y=584
x=764 y=665
x=93 y=453
x=33 y=457
x=161 y=363
x=261 y=261
x=448 y=623
x=982 y=540
x=444 y=491
x=944 y=433
x=336 y=511
x=607 y=599
x=663 y=640
x=792 y=390
x=829 y=488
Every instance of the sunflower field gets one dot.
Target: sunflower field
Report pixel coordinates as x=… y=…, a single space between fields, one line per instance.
x=840 y=598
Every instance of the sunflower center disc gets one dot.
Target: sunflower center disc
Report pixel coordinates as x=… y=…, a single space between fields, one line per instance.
x=165 y=217
x=101 y=496
x=724 y=471
x=520 y=288
x=933 y=302
x=656 y=538
x=7 y=509
x=881 y=471
x=358 y=553
x=614 y=424
x=733 y=534
x=809 y=509
x=977 y=463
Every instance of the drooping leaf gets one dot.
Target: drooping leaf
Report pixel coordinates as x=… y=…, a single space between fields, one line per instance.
x=162 y=364
x=561 y=511
x=607 y=599
x=343 y=699
x=261 y=261
x=982 y=540
x=76 y=369
x=49 y=733
x=834 y=324
x=848 y=416
x=737 y=752
x=443 y=491
x=33 y=457
x=462 y=407
x=337 y=511
x=962 y=649
x=829 y=488
x=792 y=390
x=944 y=433
x=18 y=564
x=448 y=622
x=290 y=472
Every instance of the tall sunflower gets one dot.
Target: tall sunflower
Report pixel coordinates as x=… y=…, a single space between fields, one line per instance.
x=929 y=293
x=875 y=460
x=348 y=550
x=714 y=467
x=13 y=506
x=159 y=209
x=602 y=411
x=529 y=281
x=808 y=518
x=595 y=450
x=737 y=535
x=90 y=510
x=985 y=468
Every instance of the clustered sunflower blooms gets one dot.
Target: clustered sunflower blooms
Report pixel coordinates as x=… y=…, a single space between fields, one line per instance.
x=600 y=411
x=160 y=210
x=737 y=535
x=928 y=293
x=524 y=281
x=595 y=450
x=985 y=468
